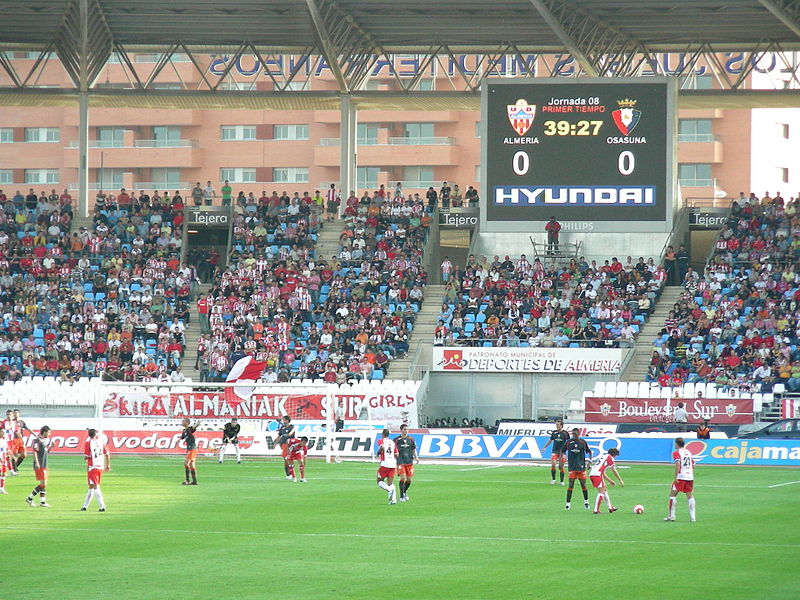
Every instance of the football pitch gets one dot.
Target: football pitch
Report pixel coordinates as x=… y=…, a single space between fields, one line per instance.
x=467 y=532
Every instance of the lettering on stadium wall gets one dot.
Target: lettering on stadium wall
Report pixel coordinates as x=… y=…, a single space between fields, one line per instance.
x=563 y=65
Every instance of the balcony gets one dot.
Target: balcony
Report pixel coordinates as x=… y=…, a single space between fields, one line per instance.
x=699 y=148
x=421 y=141
x=398 y=151
x=149 y=186
x=165 y=144
x=140 y=154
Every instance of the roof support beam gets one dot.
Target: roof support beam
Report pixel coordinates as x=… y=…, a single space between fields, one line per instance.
x=786 y=11
x=592 y=41
x=569 y=43
x=326 y=45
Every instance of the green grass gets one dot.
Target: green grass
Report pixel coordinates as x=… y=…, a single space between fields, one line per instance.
x=245 y=532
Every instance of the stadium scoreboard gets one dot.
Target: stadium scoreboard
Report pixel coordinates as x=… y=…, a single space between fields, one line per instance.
x=593 y=152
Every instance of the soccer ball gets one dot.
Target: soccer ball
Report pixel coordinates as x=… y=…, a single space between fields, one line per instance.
x=638 y=509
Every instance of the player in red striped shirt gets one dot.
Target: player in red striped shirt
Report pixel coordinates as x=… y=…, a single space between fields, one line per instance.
x=598 y=477
x=98 y=460
x=296 y=450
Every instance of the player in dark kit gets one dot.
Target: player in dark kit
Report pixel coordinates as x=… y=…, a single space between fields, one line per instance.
x=41 y=449
x=558 y=438
x=191 y=451
x=285 y=433
x=577 y=450
x=230 y=435
x=406 y=457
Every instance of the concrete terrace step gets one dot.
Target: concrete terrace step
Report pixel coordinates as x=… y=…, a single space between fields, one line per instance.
x=637 y=367
x=422 y=336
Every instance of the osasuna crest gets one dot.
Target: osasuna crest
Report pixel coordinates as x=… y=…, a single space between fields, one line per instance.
x=521 y=115
x=605 y=409
x=626 y=118
x=730 y=410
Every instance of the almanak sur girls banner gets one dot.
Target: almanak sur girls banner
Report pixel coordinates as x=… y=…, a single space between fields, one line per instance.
x=567 y=361
x=390 y=402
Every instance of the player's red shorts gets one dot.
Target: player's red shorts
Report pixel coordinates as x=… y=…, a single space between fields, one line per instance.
x=40 y=474
x=191 y=454
x=94 y=476
x=596 y=481
x=295 y=456
x=386 y=472
x=17 y=446
x=681 y=485
x=557 y=456
x=577 y=474
x=285 y=450
x=405 y=470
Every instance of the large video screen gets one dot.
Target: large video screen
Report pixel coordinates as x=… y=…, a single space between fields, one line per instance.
x=584 y=150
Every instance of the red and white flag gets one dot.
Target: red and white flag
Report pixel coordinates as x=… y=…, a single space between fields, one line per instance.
x=245 y=369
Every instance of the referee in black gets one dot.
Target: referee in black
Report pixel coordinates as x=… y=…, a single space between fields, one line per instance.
x=230 y=435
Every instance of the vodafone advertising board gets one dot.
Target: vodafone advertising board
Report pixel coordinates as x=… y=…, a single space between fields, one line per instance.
x=723 y=411
x=351 y=444
x=527 y=360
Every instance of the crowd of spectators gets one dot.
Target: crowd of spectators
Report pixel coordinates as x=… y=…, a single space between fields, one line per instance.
x=519 y=303
x=110 y=299
x=335 y=318
x=737 y=324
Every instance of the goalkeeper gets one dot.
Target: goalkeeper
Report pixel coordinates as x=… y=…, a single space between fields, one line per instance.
x=230 y=435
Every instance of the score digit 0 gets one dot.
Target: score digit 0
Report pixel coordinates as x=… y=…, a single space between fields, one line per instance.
x=626 y=162
x=521 y=163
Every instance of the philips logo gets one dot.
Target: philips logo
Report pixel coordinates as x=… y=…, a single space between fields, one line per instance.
x=644 y=195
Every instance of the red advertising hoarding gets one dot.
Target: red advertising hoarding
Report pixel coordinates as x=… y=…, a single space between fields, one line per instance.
x=723 y=411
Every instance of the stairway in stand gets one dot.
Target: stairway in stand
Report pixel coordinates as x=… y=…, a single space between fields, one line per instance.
x=328 y=239
x=637 y=368
x=191 y=334
x=424 y=325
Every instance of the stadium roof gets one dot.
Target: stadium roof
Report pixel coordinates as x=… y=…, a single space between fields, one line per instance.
x=293 y=25
x=604 y=37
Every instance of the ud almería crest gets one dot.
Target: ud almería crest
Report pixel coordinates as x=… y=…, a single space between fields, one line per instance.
x=521 y=115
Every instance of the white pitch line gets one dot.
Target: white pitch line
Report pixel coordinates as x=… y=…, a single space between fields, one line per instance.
x=461 y=538
x=481 y=468
x=777 y=485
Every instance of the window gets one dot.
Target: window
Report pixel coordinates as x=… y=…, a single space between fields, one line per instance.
x=696 y=82
x=784 y=130
x=783 y=173
x=695 y=175
x=110 y=179
x=238 y=175
x=237 y=86
x=109 y=137
x=42 y=134
x=477 y=173
x=165 y=178
x=367 y=177
x=6 y=176
x=366 y=134
x=36 y=55
x=6 y=135
x=477 y=129
x=695 y=130
x=297 y=86
x=418 y=176
x=165 y=136
x=419 y=131
x=238 y=133
x=290 y=174
x=167 y=85
x=290 y=132
x=42 y=176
